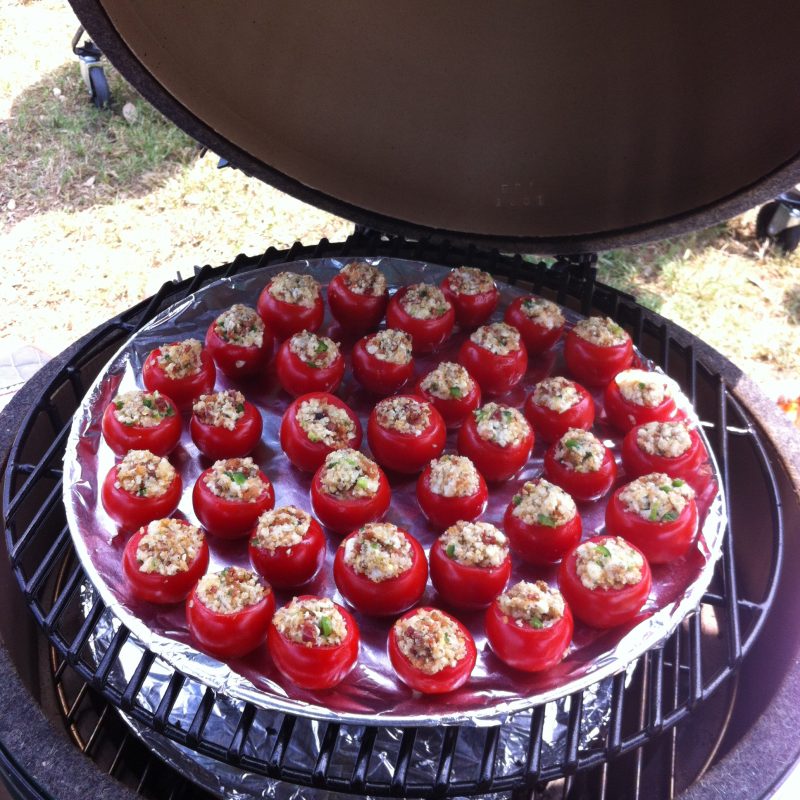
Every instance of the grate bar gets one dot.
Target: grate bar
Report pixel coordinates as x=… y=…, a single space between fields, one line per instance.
x=85 y=631
x=53 y=557
x=446 y=760
x=53 y=617
x=200 y=719
x=325 y=752
x=282 y=742
x=35 y=525
x=359 y=777
x=110 y=656
x=168 y=701
x=398 y=783
x=239 y=739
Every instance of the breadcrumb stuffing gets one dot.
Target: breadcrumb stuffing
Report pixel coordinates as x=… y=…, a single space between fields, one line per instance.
x=643 y=388
x=430 y=640
x=498 y=338
x=531 y=605
x=557 y=394
x=240 y=325
x=540 y=502
x=325 y=422
x=221 y=409
x=144 y=474
x=602 y=331
x=230 y=590
x=453 y=476
x=390 y=345
x=362 y=278
x=475 y=544
x=657 y=497
x=404 y=414
x=609 y=564
x=299 y=290
x=470 y=281
x=311 y=622
x=449 y=381
x=180 y=359
x=314 y=351
x=281 y=527
x=378 y=551
x=423 y=301
x=142 y=409
x=235 y=479
x=349 y=473
x=501 y=425
x=542 y=312
x=664 y=439
x=580 y=450
x=170 y=546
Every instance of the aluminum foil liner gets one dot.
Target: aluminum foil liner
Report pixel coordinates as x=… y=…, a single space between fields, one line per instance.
x=371 y=693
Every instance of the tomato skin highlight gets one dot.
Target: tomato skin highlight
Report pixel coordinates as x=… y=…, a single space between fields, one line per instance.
x=404 y=452
x=300 y=450
x=377 y=376
x=426 y=334
x=155 y=588
x=229 y=519
x=183 y=391
x=441 y=511
x=661 y=542
x=356 y=313
x=216 y=442
x=454 y=410
x=602 y=608
x=382 y=598
x=584 y=486
x=132 y=512
x=226 y=636
x=551 y=425
x=298 y=378
x=471 y=310
x=447 y=679
x=343 y=515
x=159 y=439
x=315 y=667
x=528 y=649
x=286 y=319
x=495 y=463
x=495 y=374
x=290 y=567
x=624 y=415
x=541 y=544
x=235 y=360
x=592 y=364
x=537 y=338
x=686 y=466
x=465 y=586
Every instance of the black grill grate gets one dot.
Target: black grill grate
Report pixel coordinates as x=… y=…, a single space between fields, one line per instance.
x=667 y=685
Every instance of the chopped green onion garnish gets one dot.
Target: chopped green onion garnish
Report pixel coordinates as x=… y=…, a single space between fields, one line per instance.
x=603 y=550
x=141 y=491
x=670 y=516
x=325 y=627
x=169 y=411
x=451 y=550
x=118 y=404
x=543 y=519
x=322 y=347
x=678 y=482
x=237 y=477
x=455 y=392
x=363 y=482
x=653 y=514
x=240 y=408
x=572 y=444
x=516 y=499
x=147 y=402
x=536 y=623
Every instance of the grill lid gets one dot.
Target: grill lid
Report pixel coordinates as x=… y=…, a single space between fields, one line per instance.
x=547 y=126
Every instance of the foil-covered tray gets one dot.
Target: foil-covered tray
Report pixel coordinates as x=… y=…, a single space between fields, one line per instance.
x=372 y=692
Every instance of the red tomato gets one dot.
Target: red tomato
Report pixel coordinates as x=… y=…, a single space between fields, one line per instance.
x=235 y=360
x=216 y=442
x=661 y=542
x=472 y=310
x=623 y=414
x=130 y=511
x=592 y=364
x=454 y=410
x=376 y=375
x=446 y=511
x=541 y=544
x=466 y=586
x=227 y=636
x=343 y=515
x=182 y=390
x=404 y=452
x=286 y=319
x=526 y=648
x=299 y=449
x=154 y=587
x=316 y=667
x=356 y=313
x=160 y=439
x=537 y=338
x=551 y=425
x=583 y=486
x=495 y=463
x=601 y=607
x=289 y=567
x=298 y=377
x=229 y=519
x=382 y=598
x=447 y=679
x=427 y=334
x=495 y=374
x=637 y=462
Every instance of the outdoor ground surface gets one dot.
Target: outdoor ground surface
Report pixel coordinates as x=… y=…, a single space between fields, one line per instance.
x=97 y=209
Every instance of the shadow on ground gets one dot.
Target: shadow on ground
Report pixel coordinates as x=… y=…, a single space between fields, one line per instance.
x=791 y=302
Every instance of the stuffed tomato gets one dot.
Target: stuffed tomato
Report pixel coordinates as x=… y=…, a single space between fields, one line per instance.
x=317 y=424
x=529 y=627
x=605 y=580
x=596 y=349
x=495 y=356
x=671 y=447
x=451 y=489
x=423 y=312
x=405 y=433
x=314 y=642
x=540 y=322
x=557 y=404
x=291 y=303
x=180 y=370
x=141 y=488
x=228 y=612
x=473 y=295
x=382 y=361
x=163 y=560
x=657 y=513
x=497 y=439
x=581 y=465
x=358 y=297
x=287 y=547
x=452 y=391
x=141 y=421
x=239 y=342
x=225 y=425
x=380 y=569
x=348 y=491
x=431 y=651
x=470 y=564
x=230 y=496
x=307 y=362
x=542 y=522
x=634 y=397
